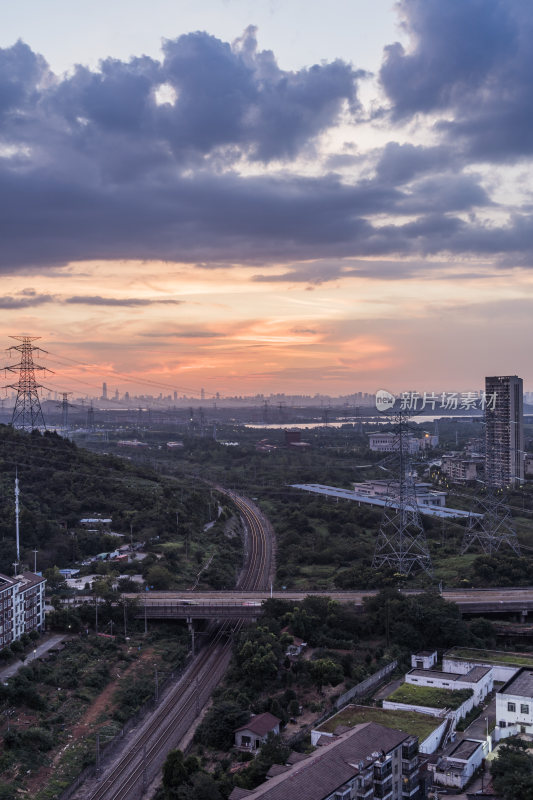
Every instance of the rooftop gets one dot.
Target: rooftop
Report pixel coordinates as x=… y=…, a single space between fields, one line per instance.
x=520 y=684
x=465 y=749
x=330 y=767
x=412 y=722
x=490 y=656
x=429 y=696
x=261 y=724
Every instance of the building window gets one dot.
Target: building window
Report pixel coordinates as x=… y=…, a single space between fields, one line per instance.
x=511 y=707
x=524 y=708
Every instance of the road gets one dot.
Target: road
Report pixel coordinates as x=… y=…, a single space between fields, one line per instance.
x=40 y=649
x=231 y=603
x=146 y=747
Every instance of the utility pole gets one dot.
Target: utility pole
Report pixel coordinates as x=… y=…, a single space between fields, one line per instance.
x=27 y=411
x=124 y=607
x=17 y=528
x=35 y=560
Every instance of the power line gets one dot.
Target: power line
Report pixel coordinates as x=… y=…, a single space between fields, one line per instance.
x=27 y=412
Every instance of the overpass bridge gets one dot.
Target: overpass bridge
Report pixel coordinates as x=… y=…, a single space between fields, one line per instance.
x=247 y=604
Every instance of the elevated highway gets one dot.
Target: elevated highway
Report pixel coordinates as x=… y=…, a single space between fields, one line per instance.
x=247 y=604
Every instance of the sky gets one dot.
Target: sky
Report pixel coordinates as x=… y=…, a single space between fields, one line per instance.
x=253 y=196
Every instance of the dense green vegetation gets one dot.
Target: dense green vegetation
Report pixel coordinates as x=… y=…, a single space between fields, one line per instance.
x=512 y=771
x=45 y=700
x=324 y=544
x=61 y=483
x=430 y=696
x=345 y=647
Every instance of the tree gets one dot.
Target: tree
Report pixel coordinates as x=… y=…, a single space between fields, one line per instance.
x=159 y=577
x=512 y=771
x=202 y=787
x=217 y=727
x=174 y=773
x=325 y=671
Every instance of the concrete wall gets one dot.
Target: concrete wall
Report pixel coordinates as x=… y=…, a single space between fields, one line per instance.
x=500 y=672
x=366 y=686
x=457 y=713
x=481 y=688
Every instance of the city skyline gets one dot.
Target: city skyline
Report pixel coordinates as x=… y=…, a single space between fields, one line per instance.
x=331 y=201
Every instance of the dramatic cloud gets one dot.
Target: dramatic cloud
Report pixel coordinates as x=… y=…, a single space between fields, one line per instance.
x=472 y=58
x=25 y=299
x=212 y=154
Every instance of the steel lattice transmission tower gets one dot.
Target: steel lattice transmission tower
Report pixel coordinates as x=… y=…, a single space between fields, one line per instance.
x=401 y=542
x=27 y=412
x=492 y=527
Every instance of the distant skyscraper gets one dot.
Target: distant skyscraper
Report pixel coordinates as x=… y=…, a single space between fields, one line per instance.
x=504 y=431
x=104 y=391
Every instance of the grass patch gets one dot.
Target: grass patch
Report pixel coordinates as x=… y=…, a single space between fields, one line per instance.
x=491 y=656
x=411 y=722
x=430 y=696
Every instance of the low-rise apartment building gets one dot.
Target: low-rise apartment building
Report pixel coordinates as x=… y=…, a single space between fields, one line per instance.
x=369 y=761
x=514 y=704
x=21 y=606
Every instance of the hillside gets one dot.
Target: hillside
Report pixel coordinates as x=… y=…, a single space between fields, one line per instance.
x=60 y=483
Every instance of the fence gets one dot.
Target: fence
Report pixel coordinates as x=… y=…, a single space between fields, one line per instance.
x=363 y=688
x=360 y=690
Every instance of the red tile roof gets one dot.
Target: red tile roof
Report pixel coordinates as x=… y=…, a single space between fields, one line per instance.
x=260 y=724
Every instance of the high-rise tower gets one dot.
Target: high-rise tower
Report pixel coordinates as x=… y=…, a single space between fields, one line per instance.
x=504 y=431
x=27 y=412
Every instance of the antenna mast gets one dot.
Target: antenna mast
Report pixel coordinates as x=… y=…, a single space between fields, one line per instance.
x=27 y=412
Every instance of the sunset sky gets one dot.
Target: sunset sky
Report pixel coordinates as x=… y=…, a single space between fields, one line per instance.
x=268 y=195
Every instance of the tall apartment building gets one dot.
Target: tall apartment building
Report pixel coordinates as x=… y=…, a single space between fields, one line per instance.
x=504 y=431
x=21 y=606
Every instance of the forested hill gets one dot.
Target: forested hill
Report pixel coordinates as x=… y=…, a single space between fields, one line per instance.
x=60 y=483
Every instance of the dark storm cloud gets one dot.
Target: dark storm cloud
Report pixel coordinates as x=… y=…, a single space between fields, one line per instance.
x=93 y=167
x=472 y=58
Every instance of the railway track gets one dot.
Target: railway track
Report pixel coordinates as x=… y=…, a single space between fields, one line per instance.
x=130 y=775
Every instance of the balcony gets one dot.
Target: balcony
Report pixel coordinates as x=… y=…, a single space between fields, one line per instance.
x=410 y=749
x=408 y=767
x=383 y=790
x=382 y=769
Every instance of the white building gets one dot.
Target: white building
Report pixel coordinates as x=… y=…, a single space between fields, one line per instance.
x=514 y=704
x=425 y=659
x=21 y=606
x=479 y=680
x=424 y=492
x=462 y=470
x=388 y=443
x=458 y=766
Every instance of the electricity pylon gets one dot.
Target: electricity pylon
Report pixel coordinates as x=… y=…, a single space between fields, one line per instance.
x=492 y=527
x=401 y=542
x=27 y=412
